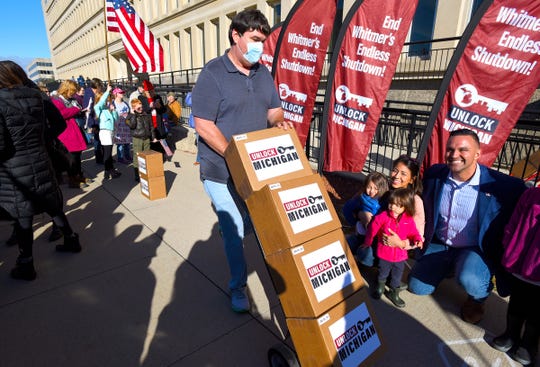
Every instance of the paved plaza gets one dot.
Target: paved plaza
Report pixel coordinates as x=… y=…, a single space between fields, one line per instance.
x=150 y=289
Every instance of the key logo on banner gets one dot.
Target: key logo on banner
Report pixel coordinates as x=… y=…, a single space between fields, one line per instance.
x=363 y=64
x=299 y=58
x=491 y=78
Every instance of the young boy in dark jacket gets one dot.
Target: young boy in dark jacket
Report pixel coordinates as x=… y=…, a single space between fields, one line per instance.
x=142 y=131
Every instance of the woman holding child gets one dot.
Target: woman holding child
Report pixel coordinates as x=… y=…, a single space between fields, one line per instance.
x=405 y=174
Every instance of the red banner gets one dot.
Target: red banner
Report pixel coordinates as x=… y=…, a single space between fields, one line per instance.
x=269 y=47
x=493 y=80
x=299 y=59
x=363 y=65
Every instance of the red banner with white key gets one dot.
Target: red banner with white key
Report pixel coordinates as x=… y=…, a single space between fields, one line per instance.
x=496 y=72
x=299 y=59
x=363 y=64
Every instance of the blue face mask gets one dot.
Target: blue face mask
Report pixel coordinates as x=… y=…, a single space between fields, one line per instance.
x=254 y=52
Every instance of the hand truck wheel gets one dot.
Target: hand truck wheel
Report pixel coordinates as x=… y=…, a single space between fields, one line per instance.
x=280 y=355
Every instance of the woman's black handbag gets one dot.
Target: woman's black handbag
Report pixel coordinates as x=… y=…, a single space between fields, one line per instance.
x=60 y=156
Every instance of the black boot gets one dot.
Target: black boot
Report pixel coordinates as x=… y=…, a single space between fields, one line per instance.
x=56 y=233
x=115 y=173
x=526 y=352
x=402 y=286
x=71 y=244
x=521 y=355
x=75 y=183
x=24 y=269
x=506 y=341
x=379 y=290
x=393 y=295
x=136 y=174
x=112 y=173
x=83 y=179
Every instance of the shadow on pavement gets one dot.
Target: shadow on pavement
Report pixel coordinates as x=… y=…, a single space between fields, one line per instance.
x=199 y=317
x=80 y=311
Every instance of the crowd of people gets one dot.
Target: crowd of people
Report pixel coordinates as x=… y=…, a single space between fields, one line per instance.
x=43 y=135
x=460 y=220
x=97 y=114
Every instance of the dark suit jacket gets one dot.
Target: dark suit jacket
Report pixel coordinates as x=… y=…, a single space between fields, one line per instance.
x=497 y=198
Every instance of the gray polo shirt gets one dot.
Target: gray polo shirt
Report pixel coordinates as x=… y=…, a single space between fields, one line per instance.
x=236 y=102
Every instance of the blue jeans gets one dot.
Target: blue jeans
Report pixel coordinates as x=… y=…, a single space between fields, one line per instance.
x=364 y=255
x=471 y=270
x=123 y=151
x=233 y=221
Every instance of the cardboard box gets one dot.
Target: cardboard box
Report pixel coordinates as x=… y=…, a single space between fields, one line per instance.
x=315 y=276
x=150 y=163
x=263 y=157
x=347 y=335
x=291 y=212
x=153 y=187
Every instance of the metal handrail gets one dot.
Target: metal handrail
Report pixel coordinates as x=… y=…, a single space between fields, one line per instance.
x=407 y=64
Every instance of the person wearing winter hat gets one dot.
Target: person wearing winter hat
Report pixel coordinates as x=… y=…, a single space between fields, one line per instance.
x=147 y=85
x=122 y=134
x=157 y=109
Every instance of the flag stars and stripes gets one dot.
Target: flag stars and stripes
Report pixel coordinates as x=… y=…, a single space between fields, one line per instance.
x=144 y=52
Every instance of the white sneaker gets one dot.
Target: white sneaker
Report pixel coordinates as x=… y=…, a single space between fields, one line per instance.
x=239 y=300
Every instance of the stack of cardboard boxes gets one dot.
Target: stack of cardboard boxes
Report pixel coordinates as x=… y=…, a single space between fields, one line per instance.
x=152 y=176
x=313 y=271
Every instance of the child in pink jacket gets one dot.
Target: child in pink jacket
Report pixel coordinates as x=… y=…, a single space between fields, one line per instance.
x=399 y=219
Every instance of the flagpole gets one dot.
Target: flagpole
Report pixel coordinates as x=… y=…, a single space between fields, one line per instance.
x=106 y=42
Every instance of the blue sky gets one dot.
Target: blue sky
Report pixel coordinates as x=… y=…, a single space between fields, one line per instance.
x=22 y=32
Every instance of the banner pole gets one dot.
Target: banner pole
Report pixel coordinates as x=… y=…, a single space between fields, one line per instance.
x=106 y=41
x=336 y=46
x=336 y=31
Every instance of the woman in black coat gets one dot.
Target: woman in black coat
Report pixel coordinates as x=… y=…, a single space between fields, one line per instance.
x=27 y=181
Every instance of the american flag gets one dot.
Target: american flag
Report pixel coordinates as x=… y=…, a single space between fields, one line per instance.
x=143 y=50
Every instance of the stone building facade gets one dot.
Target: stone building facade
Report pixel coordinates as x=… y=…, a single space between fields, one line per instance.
x=191 y=32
